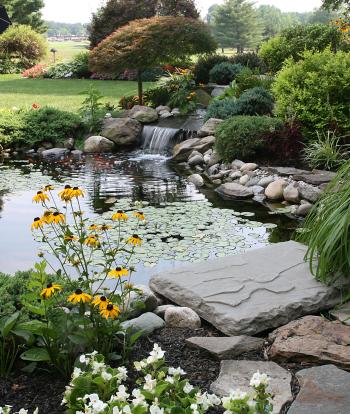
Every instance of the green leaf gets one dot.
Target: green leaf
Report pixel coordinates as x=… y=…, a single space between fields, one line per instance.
x=36 y=355
x=9 y=323
x=78 y=339
x=34 y=326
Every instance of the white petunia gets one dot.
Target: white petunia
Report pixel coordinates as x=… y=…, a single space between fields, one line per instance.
x=76 y=373
x=97 y=367
x=23 y=411
x=154 y=409
x=98 y=407
x=188 y=388
x=194 y=408
x=122 y=374
x=84 y=360
x=122 y=395
x=176 y=371
x=139 y=365
x=169 y=379
x=150 y=383
x=106 y=376
x=259 y=379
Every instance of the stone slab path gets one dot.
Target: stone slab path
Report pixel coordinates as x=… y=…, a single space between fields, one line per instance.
x=324 y=390
x=250 y=292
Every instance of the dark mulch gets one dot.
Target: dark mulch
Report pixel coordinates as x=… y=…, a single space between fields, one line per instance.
x=45 y=391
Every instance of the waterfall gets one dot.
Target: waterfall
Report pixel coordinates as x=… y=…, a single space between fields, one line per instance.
x=160 y=140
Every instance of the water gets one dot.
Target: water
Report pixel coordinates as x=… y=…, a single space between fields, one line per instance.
x=185 y=224
x=161 y=140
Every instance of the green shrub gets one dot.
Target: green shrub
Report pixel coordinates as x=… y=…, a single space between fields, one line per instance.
x=51 y=125
x=250 y=60
x=59 y=71
x=241 y=136
x=224 y=73
x=22 y=45
x=152 y=74
x=222 y=108
x=293 y=41
x=11 y=289
x=247 y=79
x=11 y=127
x=80 y=65
x=326 y=230
x=156 y=96
x=316 y=91
x=204 y=66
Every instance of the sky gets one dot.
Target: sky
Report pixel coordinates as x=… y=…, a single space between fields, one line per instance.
x=74 y=11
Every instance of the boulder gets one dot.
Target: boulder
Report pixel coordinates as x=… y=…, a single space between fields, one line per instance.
x=237 y=375
x=182 y=150
x=257 y=189
x=274 y=191
x=161 y=108
x=226 y=347
x=252 y=181
x=209 y=127
x=249 y=292
x=309 y=192
x=324 y=390
x=202 y=97
x=165 y=115
x=214 y=159
x=219 y=90
x=248 y=166
x=317 y=177
x=76 y=154
x=312 y=339
x=55 y=153
x=291 y=193
x=146 y=323
x=342 y=313
x=160 y=310
x=214 y=169
x=235 y=191
x=244 y=179
x=98 y=144
x=144 y=297
x=196 y=160
x=143 y=114
x=196 y=179
x=235 y=174
x=286 y=171
x=178 y=317
x=303 y=209
x=237 y=164
x=122 y=131
x=265 y=181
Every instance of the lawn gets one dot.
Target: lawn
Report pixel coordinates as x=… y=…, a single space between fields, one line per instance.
x=61 y=93
x=65 y=50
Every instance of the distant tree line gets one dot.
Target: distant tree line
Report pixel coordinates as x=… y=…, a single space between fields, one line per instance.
x=66 y=29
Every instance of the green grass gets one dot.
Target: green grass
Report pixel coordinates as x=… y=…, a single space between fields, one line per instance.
x=65 y=50
x=62 y=93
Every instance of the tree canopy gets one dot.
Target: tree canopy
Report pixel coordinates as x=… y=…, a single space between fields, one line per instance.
x=116 y=13
x=336 y=4
x=235 y=24
x=26 y=12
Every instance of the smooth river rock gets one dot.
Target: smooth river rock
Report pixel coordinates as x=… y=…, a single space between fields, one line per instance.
x=226 y=347
x=98 y=144
x=249 y=292
x=237 y=374
x=182 y=317
x=324 y=390
x=312 y=339
x=209 y=127
x=122 y=131
x=274 y=191
x=235 y=191
x=143 y=114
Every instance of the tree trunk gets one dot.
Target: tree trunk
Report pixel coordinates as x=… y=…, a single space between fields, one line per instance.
x=139 y=85
x=222 y=50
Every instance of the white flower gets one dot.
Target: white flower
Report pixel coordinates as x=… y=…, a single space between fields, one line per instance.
x=76 y=373
x=87 y=313
x=154 y=409
x=188 y=388
x=84 y=360
x=139 y=398
x=122 y=374
x=93 y=398
x=23 y=411
x=259 y=379
x=122 y=395
x=106 y=376
x=169 y=379
x=139 y=365
x=98 y=406
x=176 y=371
x=150 y=383
x=98 y=367
x=194 y=408
x=36 y=411
x=156 y=354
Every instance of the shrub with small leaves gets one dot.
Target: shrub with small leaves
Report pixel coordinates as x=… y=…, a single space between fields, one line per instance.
x=224 y=73
x=205 y=64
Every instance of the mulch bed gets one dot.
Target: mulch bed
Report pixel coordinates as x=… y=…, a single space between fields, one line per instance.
x=44 y=390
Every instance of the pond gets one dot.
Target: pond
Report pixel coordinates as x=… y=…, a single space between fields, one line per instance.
x=183 y=224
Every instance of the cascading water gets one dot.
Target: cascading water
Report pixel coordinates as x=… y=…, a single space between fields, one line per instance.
x=160 y=140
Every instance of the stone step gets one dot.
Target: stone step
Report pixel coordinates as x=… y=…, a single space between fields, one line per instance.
x=251 y=292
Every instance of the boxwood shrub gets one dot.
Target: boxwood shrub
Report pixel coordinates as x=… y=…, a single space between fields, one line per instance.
x=224 y=73
x=205 y=64
x=242 y=136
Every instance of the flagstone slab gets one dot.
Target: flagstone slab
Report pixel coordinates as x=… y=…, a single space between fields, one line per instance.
x=251 y=292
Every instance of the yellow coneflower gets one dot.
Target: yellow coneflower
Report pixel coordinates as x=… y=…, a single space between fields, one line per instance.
x=75 y=262
x=50 y=289
x=135 y=240
x=100 y=301
x=37 y=223
x=111 y=311
x=79 y=296
x=128 y=286
x=120 y=215
x=66 y=193
x=105 y=227
x=92 y=241
x=47 y=217
x=40 y=197
x=139 y=215
x=70 y=237
x=57 y=217
x=93 y=227
x=118 y=272
x=49 y=187
x=77 y=192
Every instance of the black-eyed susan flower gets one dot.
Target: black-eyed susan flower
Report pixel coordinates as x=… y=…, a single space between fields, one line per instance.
x=111 y=311
x=93 y=227
x=105 y=227
x=120 y=215
x=49 y=187
x=92 y=240
x=70 y=237
x=37 y=223
x=139 y=215
x=40 y=197
x=57 y=217
x=77 y=192
x=100 y=301
x=118 y=272
x=128 y=286
x=47 y=217
x=66 y=193
x=50 y=289
x=79 y=296
x=135 y=240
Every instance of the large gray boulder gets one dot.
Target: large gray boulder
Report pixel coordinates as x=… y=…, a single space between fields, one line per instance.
x=324 y=390
x=146 y=323
x=122 y=131
x=182 y=150
x=55 y=153
x=98 y=144
x=235 y=191
x=196 y=179
x=250 y=292
x=143 y=114
x=309 y=192
x=144 y=297
x=209 y=127
x=237 y=375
